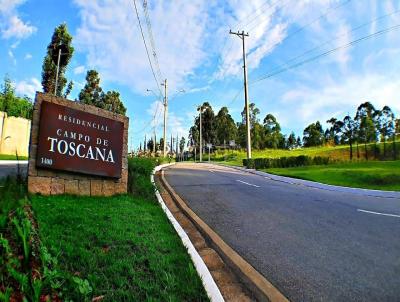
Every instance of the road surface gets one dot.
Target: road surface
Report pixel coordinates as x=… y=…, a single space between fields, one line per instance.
x=312 y=244
x=10 y=167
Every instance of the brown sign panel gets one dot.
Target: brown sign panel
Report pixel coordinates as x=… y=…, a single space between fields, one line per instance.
x=78 y=141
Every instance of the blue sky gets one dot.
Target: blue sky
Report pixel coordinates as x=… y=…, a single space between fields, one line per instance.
x=197 y=54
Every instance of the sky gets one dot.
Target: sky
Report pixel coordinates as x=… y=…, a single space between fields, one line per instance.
x=288 y=73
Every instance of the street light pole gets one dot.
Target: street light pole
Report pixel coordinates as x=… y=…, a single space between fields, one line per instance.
x=201 y=136
x=165 y=117
x=58 y=69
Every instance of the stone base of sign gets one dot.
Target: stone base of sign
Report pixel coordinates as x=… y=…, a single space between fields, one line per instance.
x=52 y=182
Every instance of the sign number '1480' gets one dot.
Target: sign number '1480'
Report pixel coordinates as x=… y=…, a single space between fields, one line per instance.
x=46 y=161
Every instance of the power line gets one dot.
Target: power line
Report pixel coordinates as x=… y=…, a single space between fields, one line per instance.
x=152 y=43
x=149 y=122
x=274 y=4
x=326 y=53
x=299 y=30
x=266 y=17
x=336 y=38
x=147 y=51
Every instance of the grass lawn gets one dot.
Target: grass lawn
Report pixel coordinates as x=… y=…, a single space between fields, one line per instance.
x=338 y=153
x=12 y=157
x=123 y=245
x=380 y=175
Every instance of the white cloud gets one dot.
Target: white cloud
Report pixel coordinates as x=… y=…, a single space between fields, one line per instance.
x=28 y=56
x=112 y=41
x=11 y=25
x=268 y=29
x=16 y=28
x=9 y=5
x=28 y=88
x=79 y=69
x=308 y=105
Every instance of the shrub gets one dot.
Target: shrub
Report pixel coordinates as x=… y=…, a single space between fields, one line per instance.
x=285 y=162
x=139 y=171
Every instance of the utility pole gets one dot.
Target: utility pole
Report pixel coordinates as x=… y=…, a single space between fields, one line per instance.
x=242 y=36
x=165 y=117
x=171 y=145
x=177 y=145
x=201 y=136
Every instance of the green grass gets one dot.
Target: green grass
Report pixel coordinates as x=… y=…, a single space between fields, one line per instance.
x=12 y=157
x=123 y=245
x=335 y=153
x=380 y=175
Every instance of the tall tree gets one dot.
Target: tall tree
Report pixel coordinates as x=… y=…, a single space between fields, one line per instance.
x=291 y=141
x=92 y=93
x=386 y=123
x=113 y=103
x=313 y=135
x=333 y=131
x=61 y=39
x=225 y=126
x=150 y=144
x=253 y=114
x=208 y=124
x=348 y=129
x=366 y=133
x=182 y=144
x=273 y=136
x=194 y=135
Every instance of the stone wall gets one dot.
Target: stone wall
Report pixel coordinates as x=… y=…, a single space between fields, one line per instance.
x=51 y=182
x=14 y=135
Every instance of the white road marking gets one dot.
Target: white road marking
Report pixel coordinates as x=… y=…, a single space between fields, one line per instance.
x=377 y=213
x=211 y=170
x=246 y=183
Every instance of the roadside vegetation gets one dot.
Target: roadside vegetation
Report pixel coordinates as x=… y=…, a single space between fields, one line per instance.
x=345 y=147
x=379 y=175
x=74 y=248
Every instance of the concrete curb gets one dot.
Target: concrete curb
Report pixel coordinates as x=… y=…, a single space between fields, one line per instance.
x=208 y=282
x=13 y=162
x=263 y=289
x=317 y=185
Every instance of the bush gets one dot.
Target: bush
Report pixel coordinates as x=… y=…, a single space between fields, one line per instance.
x=139 y=171
x=285 y=162
x=249 y=163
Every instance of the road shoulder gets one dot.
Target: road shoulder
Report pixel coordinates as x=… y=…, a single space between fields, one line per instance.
x=254 y=281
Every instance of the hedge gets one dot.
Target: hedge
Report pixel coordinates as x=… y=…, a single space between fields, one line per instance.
x=284 y=162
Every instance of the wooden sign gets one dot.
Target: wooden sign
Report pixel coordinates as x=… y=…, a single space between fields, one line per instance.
x=77 y=141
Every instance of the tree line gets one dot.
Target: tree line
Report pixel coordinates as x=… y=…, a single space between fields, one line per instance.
x=368 y=126
x=12 y=104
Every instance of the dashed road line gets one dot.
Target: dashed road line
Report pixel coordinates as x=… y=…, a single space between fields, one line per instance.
x=246 y=183
x=377 y=213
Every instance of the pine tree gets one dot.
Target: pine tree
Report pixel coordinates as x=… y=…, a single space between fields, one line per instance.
x=61 y=39
x=92 y=93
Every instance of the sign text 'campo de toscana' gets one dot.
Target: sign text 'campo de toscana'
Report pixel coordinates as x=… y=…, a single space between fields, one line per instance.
x=77 y=141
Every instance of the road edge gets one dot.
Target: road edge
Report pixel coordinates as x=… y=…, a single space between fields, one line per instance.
x=264 y=290
x=209 y=284
x=315 y=184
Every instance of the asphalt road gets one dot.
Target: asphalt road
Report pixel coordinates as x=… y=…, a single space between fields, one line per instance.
x=11 y=168
x=312 y=244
